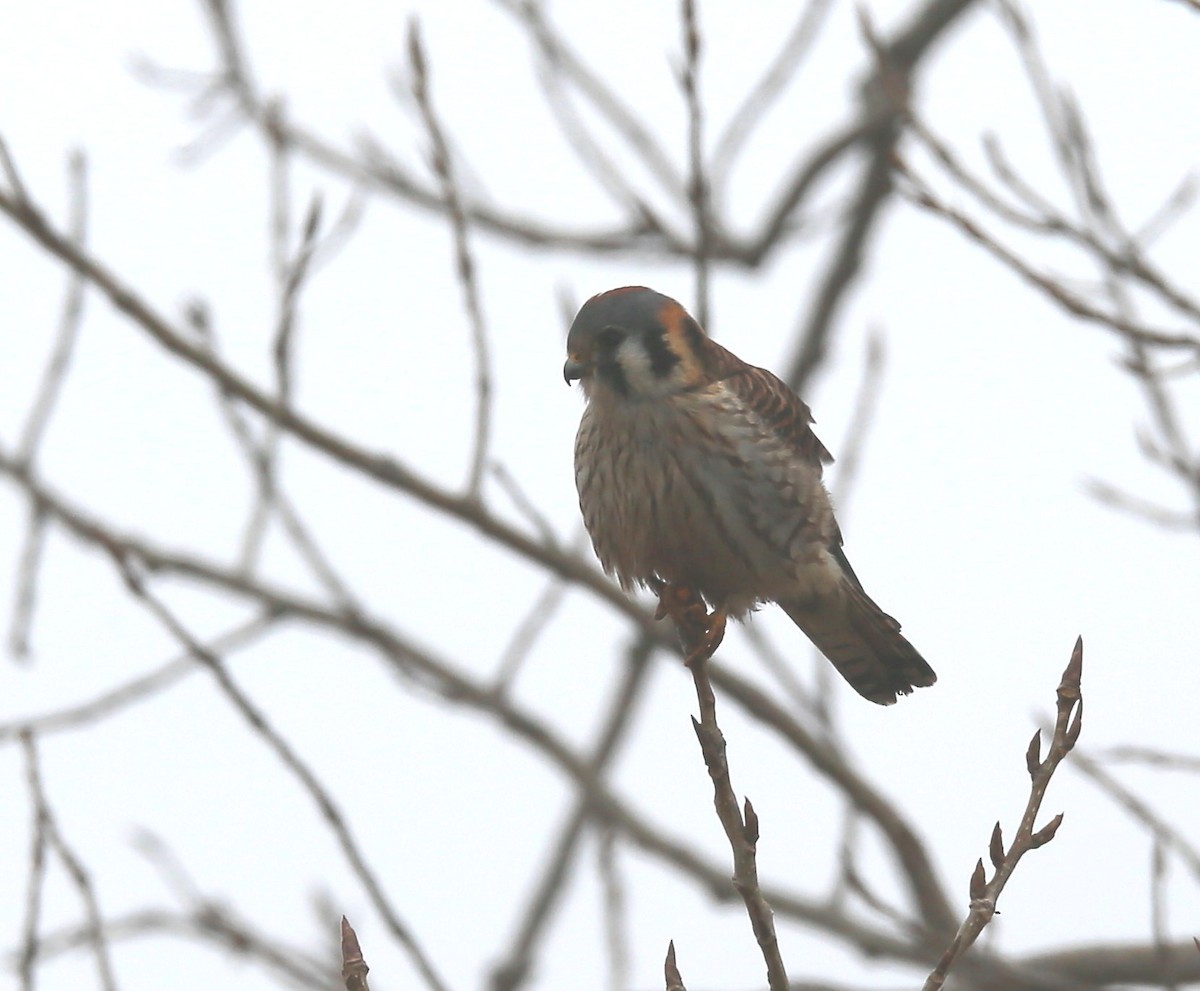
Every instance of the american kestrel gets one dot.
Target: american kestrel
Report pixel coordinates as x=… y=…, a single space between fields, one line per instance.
x=700 y=471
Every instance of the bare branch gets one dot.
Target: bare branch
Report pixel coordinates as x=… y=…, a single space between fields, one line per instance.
x=698 y=191
x=1120 y=964
x=921 y=195
x=47 y=825
x=763 y=94
x=262 y=457
x=565 y=61
x=69 y=322
x=1161 y=759
x=464 y=261
x=667 y=200
x=47 y=396
x=31 y=946
x=453 y=686
x=115 y=700
x=615 y=911
x=1158 y=909
x=376 y=466
x=513 y=972
x=205 y=922
x=1163 y=832
x=985 y=893
x=258 y=723
x=9 y=168
x=290 y=275
x=701 y=635
x=541 y=614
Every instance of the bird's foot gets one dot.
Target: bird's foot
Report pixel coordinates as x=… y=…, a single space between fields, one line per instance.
x=714 y=633
x=700 y=631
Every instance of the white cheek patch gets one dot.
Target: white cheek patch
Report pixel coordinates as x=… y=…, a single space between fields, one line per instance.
x=639 y=373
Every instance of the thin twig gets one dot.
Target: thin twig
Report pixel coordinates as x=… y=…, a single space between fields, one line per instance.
x=514 y=970
x=465 y=266
x=616 y=910
x=674 y=980
x=598 y=160
x=47 y=824
x=541 y=613
x=1161 y=759
x=354 y=967
x=698 y=191
x=1158 y=909
x=9 y=168
x=35 y=884
x=920 y=194
x=272 y=496
x=207 y=922
x=25 y=593
x=782 y=669
x=1150 y=512
x=911 y=851
x=637 y=135
x=985 y=893
x=741 y=829
x=70 y=320
x=235 y=68
x=764 y=93
x=884 y=101
x=34 y=430
x=261 y=727
x=291 y=273
x=523 y=504
x=1139 y=810
x=866 y=403
x=115 y=700
x=701 y=635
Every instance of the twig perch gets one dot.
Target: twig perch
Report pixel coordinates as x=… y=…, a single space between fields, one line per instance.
x=701 y=634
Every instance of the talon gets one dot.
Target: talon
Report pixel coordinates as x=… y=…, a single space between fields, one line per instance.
x=701 y=632
x=711 y=639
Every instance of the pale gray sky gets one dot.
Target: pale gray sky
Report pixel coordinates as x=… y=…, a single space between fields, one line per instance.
x=969 y=521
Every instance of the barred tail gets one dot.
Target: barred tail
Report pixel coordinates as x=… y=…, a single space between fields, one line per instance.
x=863 y=643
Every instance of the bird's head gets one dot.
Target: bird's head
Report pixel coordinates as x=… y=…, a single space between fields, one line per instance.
x=635 y=343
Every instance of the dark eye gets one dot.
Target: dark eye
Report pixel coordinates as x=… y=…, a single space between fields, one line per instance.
x=609 y=339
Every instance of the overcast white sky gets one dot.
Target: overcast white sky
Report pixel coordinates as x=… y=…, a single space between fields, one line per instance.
x=969 y=522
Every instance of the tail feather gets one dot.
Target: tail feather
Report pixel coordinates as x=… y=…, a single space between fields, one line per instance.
x=863 y=642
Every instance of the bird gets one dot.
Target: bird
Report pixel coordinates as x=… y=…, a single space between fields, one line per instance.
x=698 y=471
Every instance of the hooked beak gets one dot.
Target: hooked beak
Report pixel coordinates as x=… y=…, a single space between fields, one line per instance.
x=574 y=369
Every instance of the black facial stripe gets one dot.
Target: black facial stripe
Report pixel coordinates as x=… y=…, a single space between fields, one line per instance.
x=608 y=369
x=662 y=358
x=610 y=372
